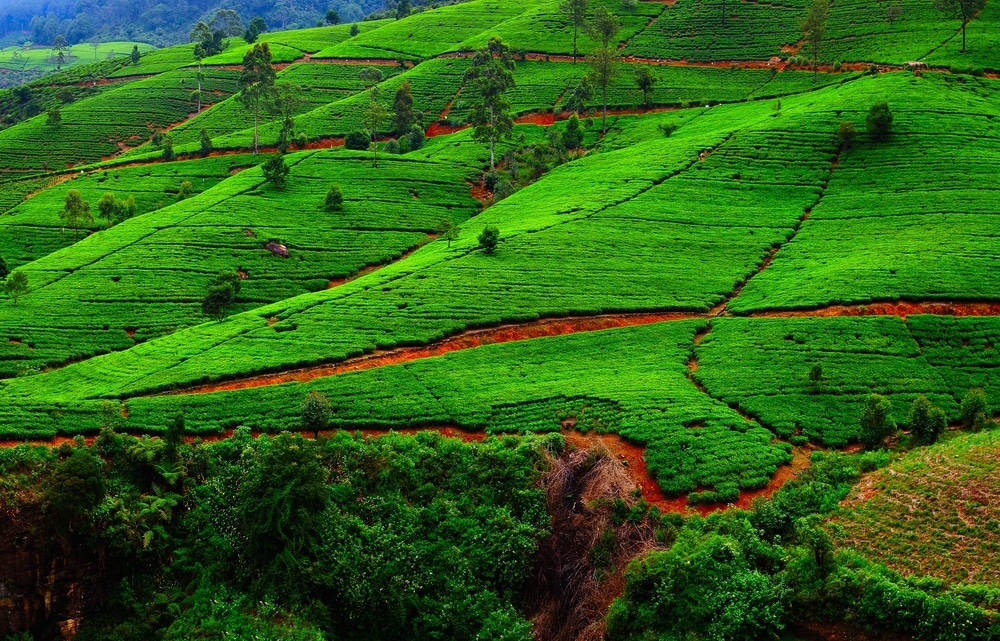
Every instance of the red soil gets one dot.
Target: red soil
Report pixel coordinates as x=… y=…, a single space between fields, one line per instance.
x=439 y=129
x=465 y=340
x=900 y=308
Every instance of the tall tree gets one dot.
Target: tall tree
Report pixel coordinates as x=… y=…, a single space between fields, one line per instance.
x=492 y=74
x=876 y=423
x=316 y=413
x=206 y=44
x=332 y=17
x=256 y=27
x=814 y=26
x=285 y=105
x=135 y=55
x=402 y=104
x=645 y=79
x=256 y=83
x=402 y=9
x=576 y=10
x=16 y=286
x=603 y=60
x=375 y=115
x=964 y=10
x=228 y=22
x=76 y=212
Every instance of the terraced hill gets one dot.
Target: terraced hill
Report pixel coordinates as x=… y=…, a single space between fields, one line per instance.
x=716 y=280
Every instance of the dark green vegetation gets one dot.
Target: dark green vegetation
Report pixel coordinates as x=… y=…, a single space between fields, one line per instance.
x=764 y=248
x=419 y=537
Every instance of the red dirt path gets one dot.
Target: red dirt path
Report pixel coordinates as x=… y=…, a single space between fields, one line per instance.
x=465 y=340
x=899 y=308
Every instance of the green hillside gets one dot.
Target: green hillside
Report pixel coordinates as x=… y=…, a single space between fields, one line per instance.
x=709 y=275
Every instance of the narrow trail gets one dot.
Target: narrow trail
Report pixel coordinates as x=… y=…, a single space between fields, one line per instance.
x=465 y=340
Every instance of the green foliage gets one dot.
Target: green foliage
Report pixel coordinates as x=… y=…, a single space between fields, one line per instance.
x=975 y=410
x=334 y=200
x=316 y=413
x=276 y=170
x=168 y=148
x=604 y=60
x=4 y=268
x=879 y=121
x=489 y=238
x=16 y=286
x=185 y=191
x=876 y=423
x=706 y=586
x=846 y=135
x=76 y=212
x=332 y=17
x=221 y=294
x=355 y=30
x=814 y=26
x=356 y=140
x=645 y=80
x=573 y=136
x=576 y=10
x=256 y=83
x=491 y=75
x=53 y=118
x=402 y=106
x=205 y=143
x=926 y=421
x=114 y=210
x=76 y=487
x=447 y=230
x=134 y=56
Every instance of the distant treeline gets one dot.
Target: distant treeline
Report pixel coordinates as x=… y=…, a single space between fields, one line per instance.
x=160 y=23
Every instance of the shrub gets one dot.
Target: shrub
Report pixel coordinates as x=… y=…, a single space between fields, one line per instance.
x=206 y=143
x=491 y=179
x=879 y=121
x=4 y=270
x=186 y=191
x=392 y=147
x=927 y=421
x=489 y=238
x=415 y=138
x=846 y=135
x=221 y=294
x=54 y=117
x=316 y=413
x=355 y=30
x=357 y=140
x=334 y=198
x=276 y=170
x=667 y=129
x=168 y=149
x=975 y=410
x=876 y=424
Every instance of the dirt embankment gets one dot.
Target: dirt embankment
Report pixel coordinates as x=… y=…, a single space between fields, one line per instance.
x=579 y=569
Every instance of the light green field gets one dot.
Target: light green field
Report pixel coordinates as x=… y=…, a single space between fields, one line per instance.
x=45 y=59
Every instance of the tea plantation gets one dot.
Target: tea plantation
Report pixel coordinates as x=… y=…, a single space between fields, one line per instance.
x=747 y=249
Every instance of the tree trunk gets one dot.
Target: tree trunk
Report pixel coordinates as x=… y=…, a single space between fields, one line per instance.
x=199 y=85
x=604 y=119
x=492 y=141
x=575 y=29
x=964 y=22
x=255 y=128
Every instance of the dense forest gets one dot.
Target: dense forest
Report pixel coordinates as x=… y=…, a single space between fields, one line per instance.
x=157 y=22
